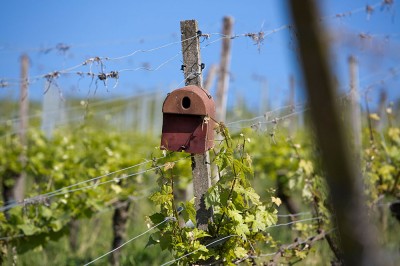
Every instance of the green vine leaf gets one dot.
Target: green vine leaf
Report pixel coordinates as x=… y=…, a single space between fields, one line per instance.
x=28 y=229
x=163 y=196
x=240 y=252
x=189 y=212
x=157 y=218
x=242 y=230
x=166 y=240
x=249 y=194
x=154 y=239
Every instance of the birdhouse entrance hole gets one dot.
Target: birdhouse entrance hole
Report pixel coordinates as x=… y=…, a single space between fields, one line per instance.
x=186 y=102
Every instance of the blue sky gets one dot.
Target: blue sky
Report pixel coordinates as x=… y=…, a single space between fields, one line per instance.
x=117 y=28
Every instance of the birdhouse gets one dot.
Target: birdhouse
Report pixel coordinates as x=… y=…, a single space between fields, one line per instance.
x=188 y=120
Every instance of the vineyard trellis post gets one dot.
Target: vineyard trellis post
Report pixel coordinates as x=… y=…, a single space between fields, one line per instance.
x=382 y=110
x=355 y=106
x=192 y=69
x=15 y=192
x=356 y=236
x=24 y=112
x=223 y=76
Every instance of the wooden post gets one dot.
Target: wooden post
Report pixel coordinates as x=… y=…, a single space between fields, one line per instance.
x=355 y=106
x=357 y=238
x=15 y=192
x=200 y=162
x=382 y=111
x=223 y=80
x=19 y=186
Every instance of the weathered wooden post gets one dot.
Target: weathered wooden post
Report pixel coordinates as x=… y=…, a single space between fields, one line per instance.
x=15 y=192
x=200 y=162
x=382 y=111
x=19 y=188
x=188 y=120
x=223 y=78
x=355 y=106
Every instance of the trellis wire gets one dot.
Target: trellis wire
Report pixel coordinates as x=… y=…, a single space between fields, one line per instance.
x=296 y=221
x=62 y=46
x=266 y=114
x=72 y=108
x=130 y=199
x=148 y=191
x=257 y=37
x=271 y=121
x=190 y=253
x=167 y=219
x=392 y=74
x=229 y=236
x=96 y=59
x=62 y=191
x=289 y=246
x=81 y=117
x=294 y=214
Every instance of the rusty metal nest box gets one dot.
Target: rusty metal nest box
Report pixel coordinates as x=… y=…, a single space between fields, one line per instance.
x=188 y=120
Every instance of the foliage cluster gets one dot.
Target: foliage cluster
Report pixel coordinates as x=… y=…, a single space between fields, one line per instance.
x=257 y=180
x=58 y=169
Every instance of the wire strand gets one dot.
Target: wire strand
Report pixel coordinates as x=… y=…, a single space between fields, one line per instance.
x=289 y=246
x=194 y=251
x=294 y=222
x=294 y=214
x=130 y=240
x=257 y=37
x=229 y=236
x=62 y=191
